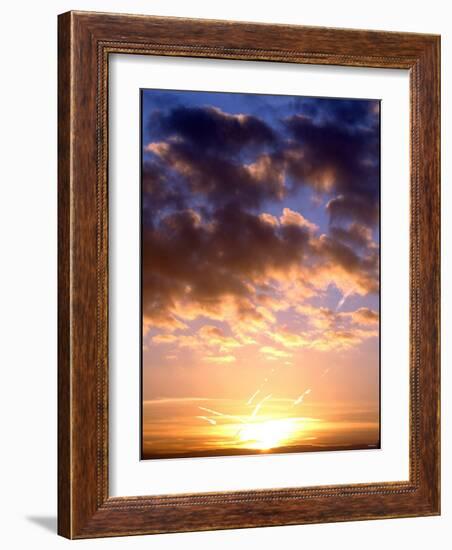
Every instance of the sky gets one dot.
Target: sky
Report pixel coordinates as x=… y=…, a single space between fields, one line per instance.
x=260 y=273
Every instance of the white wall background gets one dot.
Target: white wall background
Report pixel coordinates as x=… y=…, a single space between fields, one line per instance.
x=28 y=270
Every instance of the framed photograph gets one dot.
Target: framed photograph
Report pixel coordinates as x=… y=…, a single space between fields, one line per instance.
x=244 y=294
x=248 y=275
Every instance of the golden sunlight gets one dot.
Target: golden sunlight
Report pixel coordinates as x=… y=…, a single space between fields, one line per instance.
x=266 y=435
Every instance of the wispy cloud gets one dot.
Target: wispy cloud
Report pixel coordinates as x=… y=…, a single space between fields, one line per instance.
x=220 y=359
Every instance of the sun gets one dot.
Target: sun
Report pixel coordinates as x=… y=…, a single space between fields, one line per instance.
x=266 y=435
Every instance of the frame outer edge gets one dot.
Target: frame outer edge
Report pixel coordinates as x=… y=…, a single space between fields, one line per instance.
x=438 y=145
x=431 y=266
x=426 y=235
x=64 y=277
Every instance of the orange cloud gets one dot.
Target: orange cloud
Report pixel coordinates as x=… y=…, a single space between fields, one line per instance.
x=165 y=338
x=163 y=320
x=341 y=339
x=214 y=336
x=220 y=359
x=329 y=330
x=269 y=218
x=274 y=352
x=290 y=217
x=363 y=316
x=288 y=338
x=263 y=170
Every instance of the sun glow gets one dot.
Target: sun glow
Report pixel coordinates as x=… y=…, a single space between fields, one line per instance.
x=266 y=435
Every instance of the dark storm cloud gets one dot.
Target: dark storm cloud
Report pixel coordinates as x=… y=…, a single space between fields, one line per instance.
x=338 y=159
x=349 y=113
x=205 y=148
x=209 y=128
x=220 y=178
x=205 y=264
x=160 y=190
x=242 y=159
x=353 y=207
x=336 y=256
x=184 y=258
x=354 y=235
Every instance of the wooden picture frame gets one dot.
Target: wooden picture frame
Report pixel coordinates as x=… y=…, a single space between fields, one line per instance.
x=85 y=42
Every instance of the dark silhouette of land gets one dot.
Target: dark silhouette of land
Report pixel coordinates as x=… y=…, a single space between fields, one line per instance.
x=234 y=451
